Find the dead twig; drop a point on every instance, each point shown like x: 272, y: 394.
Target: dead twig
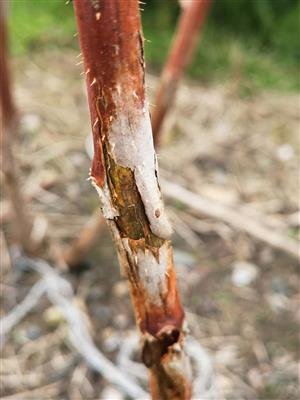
x: 52, y: 390
x: 21, y: 310
x: 60, y: 293
x: 191, y: 19
x: 237, y: 219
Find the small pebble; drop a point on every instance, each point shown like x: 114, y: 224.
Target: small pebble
x: 31, y: 122
x: 20, y: 336
x: 285, y: 152
x: 121, y: 321
x: 111, y: 393
x: 278, y: 302
x: 53, y: 317
x: 120, y: 289
x: 33, y: 332
x: 244, y: 273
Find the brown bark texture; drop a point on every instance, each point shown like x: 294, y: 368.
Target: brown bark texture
x: 124, y: 173
x: 180, y: 54
x: 7, y: 108
x: 8, y: 133
x: 191, y: 20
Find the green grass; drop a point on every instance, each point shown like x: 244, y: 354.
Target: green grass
x: 36, y: 24
x: 255, y: 42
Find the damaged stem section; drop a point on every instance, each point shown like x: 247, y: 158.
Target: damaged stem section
x: 124, y: 173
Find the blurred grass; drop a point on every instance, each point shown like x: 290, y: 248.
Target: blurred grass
x: 253, y: 42
x: 35, y: 24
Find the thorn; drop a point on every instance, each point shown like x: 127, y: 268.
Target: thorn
x: 98, y: 15
x: 79, y: 63
x: 79, y: 55
x: 94, y: 81
x: 96, y: 122
x: 75, y: 34
x: 87, y: 71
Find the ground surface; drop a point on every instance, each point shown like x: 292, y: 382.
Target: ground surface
x: 237, y: 151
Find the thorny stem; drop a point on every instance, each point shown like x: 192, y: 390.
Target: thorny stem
x: 124, y: 172
x: 191, y: 20
x: 184, y: 42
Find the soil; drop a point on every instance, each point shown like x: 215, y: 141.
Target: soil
x: 239, y: 151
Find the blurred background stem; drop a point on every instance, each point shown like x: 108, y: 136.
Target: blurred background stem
x: 255, y: 41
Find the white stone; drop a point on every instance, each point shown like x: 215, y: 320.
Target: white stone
x: 31, y: 122
x: 111, y: 393
x: 244, y: 274
x: 285, y: 152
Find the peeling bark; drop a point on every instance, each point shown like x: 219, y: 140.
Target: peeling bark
x: 124, y: 172
x: 190, y: 21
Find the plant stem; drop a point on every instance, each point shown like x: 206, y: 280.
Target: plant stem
x: 191, y: 20
x: 124, y: 172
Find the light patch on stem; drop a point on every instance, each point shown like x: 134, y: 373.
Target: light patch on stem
x: 131, y: 144
x: 152, y: 273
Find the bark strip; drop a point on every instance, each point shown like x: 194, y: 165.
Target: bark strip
x: 124, y: 173
x: 191, y: 20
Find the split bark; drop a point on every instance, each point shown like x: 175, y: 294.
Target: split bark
x: 192, y: 18
x: 190, y: 22
x: 124, y: 173
x: 8, y: 128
